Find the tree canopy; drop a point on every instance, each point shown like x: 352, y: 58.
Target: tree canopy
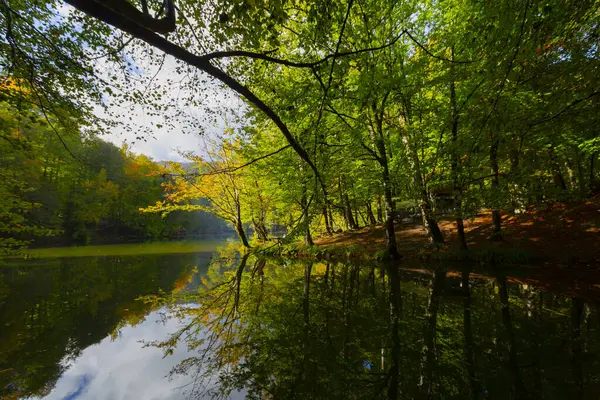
x: 453, y: 106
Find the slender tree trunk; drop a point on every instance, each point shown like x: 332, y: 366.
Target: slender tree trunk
x: 239, y: 228
x: 343, y: 203
x: 331, y: 225
x: 390, y: 233
x: 429, y: 220
x: 327, y: 222
x: 557, y: 176
x: 592, y: 177
x: 306, y: 220
x: 496, y: 217
x: 349, y: 216
x: 580, y: 175
x: 370, y: 215
x: 571, y: 174
x: 457, y: 189
x: 380, y: 209
x: 259, y: 228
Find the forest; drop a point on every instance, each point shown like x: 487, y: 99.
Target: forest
x: 414, y: 186
x: 354, y: 113
x: 77, y: 189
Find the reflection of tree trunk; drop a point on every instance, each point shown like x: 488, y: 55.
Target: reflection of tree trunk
x: 576, y: 314
x: 535, y: 307
x: 238, y: 280
x: 371, y: 280
x: 429, y: 351
x: 395, y: 300
x: 468, y: 332
x: 306, y: 303
x: 517, y: 388
x: 260, y: 270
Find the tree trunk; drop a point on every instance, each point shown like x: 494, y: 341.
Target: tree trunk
x: 349, y: 216
x: 592, y: 178
x: 390, y: 234
x: 370, y: 215
x: 331, y: 219
x: 580, y: 175
x: 327, y: 222
x: 259, y: 228
x: 496, y: 217
x: 380, y: 209
x: 239, y: 228
x: 429, y: 220
x: 455, y: 163
x: 557, y: 176
x: 306, y: 220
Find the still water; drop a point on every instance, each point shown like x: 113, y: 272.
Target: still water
x: 205, y: 324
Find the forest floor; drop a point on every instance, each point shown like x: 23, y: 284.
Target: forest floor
x: 565, y: 234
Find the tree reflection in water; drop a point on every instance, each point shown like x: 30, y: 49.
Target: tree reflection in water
x: 283, y: 330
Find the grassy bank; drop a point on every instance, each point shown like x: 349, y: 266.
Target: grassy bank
x: 130, y: 249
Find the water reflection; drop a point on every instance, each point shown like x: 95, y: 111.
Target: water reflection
x: 287, y: 330
x: 257, y: 328
x: 53, y: 310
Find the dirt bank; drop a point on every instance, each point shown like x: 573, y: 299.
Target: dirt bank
x: 564, y: 234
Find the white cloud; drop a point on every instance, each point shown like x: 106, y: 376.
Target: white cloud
x: 188, y: 122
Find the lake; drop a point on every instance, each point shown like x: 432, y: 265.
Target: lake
x: 185, y: 321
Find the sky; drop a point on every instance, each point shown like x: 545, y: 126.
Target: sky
x: 162, y: 142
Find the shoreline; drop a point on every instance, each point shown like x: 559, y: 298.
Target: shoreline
x: 566, y: 234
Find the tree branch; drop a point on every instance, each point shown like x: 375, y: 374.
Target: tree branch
x: 307, y: 64
x: 551, y: 117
